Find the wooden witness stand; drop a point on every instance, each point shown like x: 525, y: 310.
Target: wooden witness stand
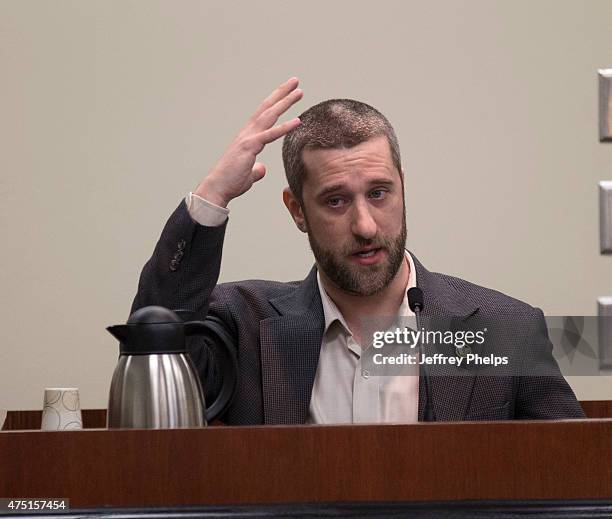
x: 95, y: 468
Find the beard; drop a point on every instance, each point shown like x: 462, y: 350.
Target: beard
x: 361, y: 280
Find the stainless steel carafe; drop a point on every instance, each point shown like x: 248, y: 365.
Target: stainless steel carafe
x: 155, y: 384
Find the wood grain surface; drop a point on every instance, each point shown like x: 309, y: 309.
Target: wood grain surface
x: 293, y: 464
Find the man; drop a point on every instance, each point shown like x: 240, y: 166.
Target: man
x: 299, y: 344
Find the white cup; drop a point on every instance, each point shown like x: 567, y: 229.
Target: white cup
x: 61, y: 409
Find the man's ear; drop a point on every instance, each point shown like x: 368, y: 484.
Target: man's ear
x: 295, y: 209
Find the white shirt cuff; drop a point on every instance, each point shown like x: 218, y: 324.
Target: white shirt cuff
x: 205, y: 212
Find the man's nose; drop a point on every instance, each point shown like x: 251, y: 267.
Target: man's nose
x: 363, y: 223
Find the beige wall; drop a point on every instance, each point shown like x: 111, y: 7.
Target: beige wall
x: 112, y: 111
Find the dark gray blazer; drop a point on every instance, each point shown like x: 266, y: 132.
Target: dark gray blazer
x: 278, y: 327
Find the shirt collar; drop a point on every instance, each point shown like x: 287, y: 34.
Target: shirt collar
x: 332, y: 314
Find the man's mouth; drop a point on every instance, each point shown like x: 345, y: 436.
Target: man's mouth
x: 368, y: 255
x: 366, y: 252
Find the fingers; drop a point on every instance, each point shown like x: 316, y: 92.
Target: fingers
x: 282, y: 91
x: 260, y: 129
x: 272, y: 134
x: 269, y: 117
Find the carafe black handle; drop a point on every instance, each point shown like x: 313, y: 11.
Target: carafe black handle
x: 222, y: 347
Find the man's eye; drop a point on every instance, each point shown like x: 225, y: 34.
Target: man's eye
x: 378, y: 194
x: 335, y: 201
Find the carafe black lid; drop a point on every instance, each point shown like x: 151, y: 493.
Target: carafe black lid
x: 151, y: 330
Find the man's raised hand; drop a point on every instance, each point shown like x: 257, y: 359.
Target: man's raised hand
x: 237, y: 170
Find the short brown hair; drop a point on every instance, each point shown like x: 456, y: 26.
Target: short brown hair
x: 335, y: 123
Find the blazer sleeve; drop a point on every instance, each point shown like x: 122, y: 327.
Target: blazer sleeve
x: 184, y: 267
x: 543, y: 392
x: 182, y: 274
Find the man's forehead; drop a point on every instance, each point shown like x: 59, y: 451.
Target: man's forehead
x: 372, y: 155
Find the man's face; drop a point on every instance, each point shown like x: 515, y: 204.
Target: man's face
x: 353, y: 206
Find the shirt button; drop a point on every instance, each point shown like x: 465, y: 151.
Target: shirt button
x: 181, y: 244
x: 173, y: 265
x: 178, y: 255
x: 365, y: 373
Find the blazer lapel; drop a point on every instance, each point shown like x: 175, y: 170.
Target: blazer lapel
x: 290, y: 347
x: 444, y: 308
